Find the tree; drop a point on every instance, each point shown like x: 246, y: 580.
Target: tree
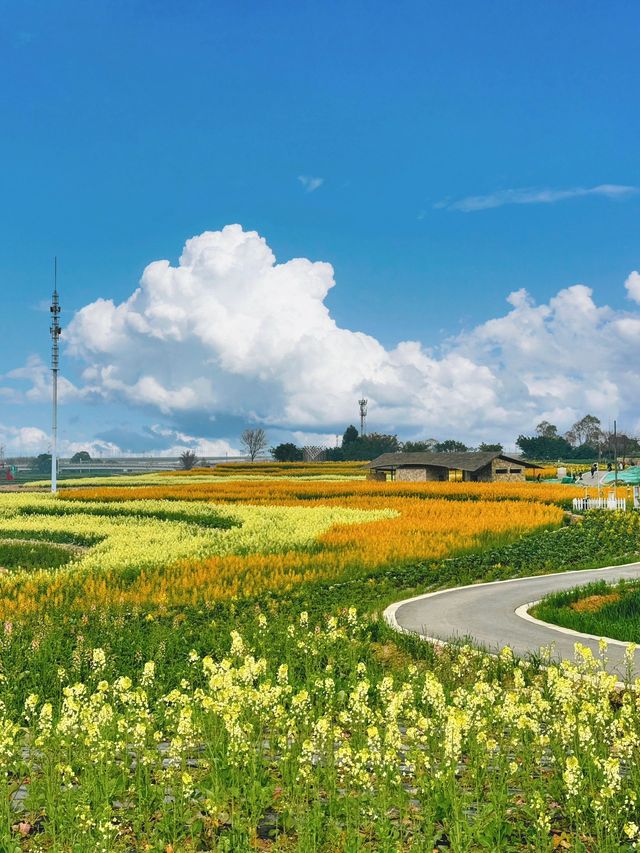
x: 627, y: 446
x: 287, y: 452
x: 334, y: 454
x: 369, y: 446
x: 546, y: 430
x: 491, y: 448
x: 622, y: 444
x: 188, y: 459
x: 81, y: 456
x: 42, y: 463
x: 425, y: 446
x: 450, y: 446
x: 253, y: 441
x: 538, y: 447
x: 583, y: 451
x: 351, y: 434
x: 588, y: 430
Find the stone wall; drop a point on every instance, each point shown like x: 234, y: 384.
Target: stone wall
x: 507, y: 472
x: 484, y: 475
x: 422, y: 474
x: 498, y: 471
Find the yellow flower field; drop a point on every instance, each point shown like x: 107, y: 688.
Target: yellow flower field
x: 147, y: 561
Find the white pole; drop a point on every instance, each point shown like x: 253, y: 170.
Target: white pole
x: 55, y: 361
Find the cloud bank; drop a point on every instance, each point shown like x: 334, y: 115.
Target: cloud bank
x: 534, y: 195
x: 231, y: 333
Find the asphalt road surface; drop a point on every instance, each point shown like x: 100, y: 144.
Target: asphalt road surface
x: 486, y: 614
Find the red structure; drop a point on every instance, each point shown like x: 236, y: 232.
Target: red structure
x: 7, y: 473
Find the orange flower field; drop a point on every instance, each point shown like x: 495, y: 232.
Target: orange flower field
x: 285, y: 532
x: 291, y: 491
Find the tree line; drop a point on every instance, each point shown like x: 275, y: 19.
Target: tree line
x: 585, y: 440
x: 356, y: 447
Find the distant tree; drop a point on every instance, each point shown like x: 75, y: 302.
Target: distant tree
x: 491, y: 448
x: 287, y: 452
x: 588, y: 430
x: 425, y: 446
x: 334, y: 454
x: 450, y: 446
x: 627, y: 446
x: 188, y: 459
x: 546, y: 430
x: 624, y: 445
x: 81, y: 456
x: 538, y: 447
x: 351, y: 434
x: 369, y: 446
x: 42, y: 463
x: 253, y: 441
x: 584, y: 451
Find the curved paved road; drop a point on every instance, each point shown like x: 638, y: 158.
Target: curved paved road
x: 486, y: 613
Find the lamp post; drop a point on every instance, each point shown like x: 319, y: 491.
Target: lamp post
x: 55, y: 366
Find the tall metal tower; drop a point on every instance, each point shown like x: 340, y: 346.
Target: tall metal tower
x: 363, y: 416
x: 55, y: 366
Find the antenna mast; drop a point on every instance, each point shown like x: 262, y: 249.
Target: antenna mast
x: 363, y: 416
x: 55, y: 366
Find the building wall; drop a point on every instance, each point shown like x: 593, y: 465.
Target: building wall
x: 423, y: 474
x: 498, y: 471
x: 507, y: 472
x: 380, y: 476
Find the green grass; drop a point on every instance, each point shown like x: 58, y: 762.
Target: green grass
x: 211, y: 519
x: 61, y: 537
x: 618, y: 619
x: 33, y: 555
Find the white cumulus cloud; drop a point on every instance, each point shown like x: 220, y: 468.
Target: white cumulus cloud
x: 26, y: 440
x: 633, y: 286
x: 231, y: 332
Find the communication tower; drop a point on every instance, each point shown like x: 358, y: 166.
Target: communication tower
x: 55, y: 366
x: 363, y: 416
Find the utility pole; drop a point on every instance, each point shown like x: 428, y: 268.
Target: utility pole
x: 363, y: 416
x: 55, y: 366
x: 615, y: 453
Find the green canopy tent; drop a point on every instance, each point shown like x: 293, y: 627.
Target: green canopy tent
x: 626, y: 477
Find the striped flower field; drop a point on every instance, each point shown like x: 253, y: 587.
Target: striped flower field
x: 196, y: 662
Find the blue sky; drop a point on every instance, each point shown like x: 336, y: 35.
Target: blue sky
x: 348, y: 133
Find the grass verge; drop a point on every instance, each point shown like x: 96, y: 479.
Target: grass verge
x: 606, y: 610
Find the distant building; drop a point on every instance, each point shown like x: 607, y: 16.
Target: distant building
x: 475, y: 466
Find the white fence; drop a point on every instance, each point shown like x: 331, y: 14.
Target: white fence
x: 581, y: 504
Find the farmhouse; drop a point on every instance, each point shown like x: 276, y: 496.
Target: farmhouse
x: 475, y: 466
